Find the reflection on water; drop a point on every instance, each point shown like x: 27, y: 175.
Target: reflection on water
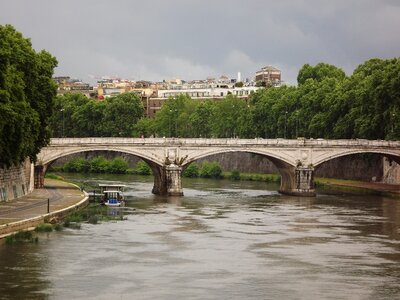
x: 237, y: 240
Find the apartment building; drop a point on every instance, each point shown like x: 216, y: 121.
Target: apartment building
x: 268, y: 76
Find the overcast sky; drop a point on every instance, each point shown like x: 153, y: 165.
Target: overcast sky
x: 164, y: 39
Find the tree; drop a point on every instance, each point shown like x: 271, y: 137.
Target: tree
x: 319, y: 72
x: 239, y: 84
x: 27, y: 92
x: 121, y: 114
x: 144, y: 127
x: 227, y: 116
x: 201, y: 119
x: 168, y: 121
x: 372, y: 101
x: 77, y: 116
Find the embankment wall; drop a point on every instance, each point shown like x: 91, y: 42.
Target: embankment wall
x: 30, y: 224
x: 16, y: 181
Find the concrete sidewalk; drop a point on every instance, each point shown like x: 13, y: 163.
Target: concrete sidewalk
x: 62, y: 195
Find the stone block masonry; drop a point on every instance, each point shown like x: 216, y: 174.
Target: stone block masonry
x: 16, y: 181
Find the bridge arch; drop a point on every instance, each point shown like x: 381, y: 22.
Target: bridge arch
x: 330, y: 156
x: 285, y: 166
x: 273, y: 156
x: 156, y: 165
x: 59, y: 154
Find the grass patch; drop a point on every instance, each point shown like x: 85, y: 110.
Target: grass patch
x: 73, y: 225
x: 44, y: 227
x: 236, y: 175
x: 21, y: 237
x: 58, y: 227
x: 54, y: 176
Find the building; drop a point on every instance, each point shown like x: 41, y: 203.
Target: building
x: 66, y: 84
x: 268, y: 76
x: 154, y: 94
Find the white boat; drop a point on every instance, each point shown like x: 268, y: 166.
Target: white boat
x: 113, y: 194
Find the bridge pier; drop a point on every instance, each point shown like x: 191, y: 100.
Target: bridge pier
x: 38, y: 178
x: 167, y: 180
x: 174, y: 180
x: 298, y: 182
x: 160, y: 180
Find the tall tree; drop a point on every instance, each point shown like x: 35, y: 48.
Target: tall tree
x: 27, y: 92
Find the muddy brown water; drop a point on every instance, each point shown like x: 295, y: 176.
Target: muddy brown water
x: 222, y: 240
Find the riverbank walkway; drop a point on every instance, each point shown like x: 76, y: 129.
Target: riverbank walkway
x: 61, y: 195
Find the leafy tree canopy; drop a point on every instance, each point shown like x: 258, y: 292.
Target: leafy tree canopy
x: 26, y: 97
x: 319, y: 72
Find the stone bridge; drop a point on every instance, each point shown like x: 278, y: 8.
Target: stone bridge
x: 168, y: 157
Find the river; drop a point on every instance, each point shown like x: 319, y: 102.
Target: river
x: 222, y: 240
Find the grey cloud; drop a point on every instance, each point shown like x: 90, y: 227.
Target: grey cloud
x: 158, y: 39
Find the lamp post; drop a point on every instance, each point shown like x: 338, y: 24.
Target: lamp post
x: 174, y: 128
x: 284, y: 135
x: 62, y: 110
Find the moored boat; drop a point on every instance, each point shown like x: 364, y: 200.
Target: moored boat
x: 113, y: 195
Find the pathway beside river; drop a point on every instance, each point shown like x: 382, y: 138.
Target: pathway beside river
x: 61, y: 195
x: 372, y: 186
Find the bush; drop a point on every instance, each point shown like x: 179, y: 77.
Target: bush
x: 210, y: 170
x: 93, y: 219
x: 191, y: 171
x: 142, y: 168
x: 44, y: 227
x: 20, y: 236
x: 58, y: 227
x: 216, y: 170
x: 235, y: 175
x: 79, y: 165
x: 99, y: 165
x: 118, y: 166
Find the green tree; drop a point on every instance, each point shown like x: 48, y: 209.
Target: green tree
x: 373, y: 100
x: 26, y: 97
x: 239, y: 84
x: 77, y: 116
x: 227, y: 117
x: 144, y: 127
x: 201, y: 119
x: 319, y: 72
x: 172, y: 119
x: 121, y: 114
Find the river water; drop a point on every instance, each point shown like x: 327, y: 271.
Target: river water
x: 222, y: 240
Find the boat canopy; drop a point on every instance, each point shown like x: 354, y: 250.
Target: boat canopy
x: 111, y: 187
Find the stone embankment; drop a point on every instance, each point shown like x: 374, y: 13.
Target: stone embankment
x: 26, y: 212
x: 16, y: 181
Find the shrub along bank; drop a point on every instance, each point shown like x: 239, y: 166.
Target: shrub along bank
x: 118, y: 165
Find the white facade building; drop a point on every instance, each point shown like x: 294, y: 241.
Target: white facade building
x: 208, y: 92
